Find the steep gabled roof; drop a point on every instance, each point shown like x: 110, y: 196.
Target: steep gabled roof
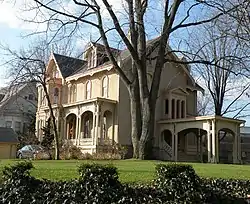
x: 8, y: 135
x: 101, y: 47
x: 68, y: 65
x: 11, y: 91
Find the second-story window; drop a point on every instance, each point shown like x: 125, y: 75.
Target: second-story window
x: 105, y: 87
x: 56, y: 95
x: 73, y: 93
x: 88, y: 90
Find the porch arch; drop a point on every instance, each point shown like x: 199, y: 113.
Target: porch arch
x: 71, y: 126
x: 226, y: 147
x: 107, y: 125
x: 87, y: 125
x: 192, y: 145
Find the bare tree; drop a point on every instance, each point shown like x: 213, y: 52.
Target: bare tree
x: 204, y: 104
x: 225, y: 88
x: 29, y: 65
x: 142, y: 94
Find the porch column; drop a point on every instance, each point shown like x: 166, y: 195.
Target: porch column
x: 173, y: 146
x: 94, y: 128
x: 176, y: 147
x: 76, y: 130
x: 208, y: 142
x: 214, y: 158
x: 236, y: 146
x: 79, y: 130
x: 66, y: 129
x: 113, y: 127
x: 239, y: 144
x: 97, y: 123
x: 201, y: 148
x: 101, y: 127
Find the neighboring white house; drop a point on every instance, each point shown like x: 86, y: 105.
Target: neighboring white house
x: 17, y: 105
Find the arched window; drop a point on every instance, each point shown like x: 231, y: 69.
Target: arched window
x: 56, y: 95
x: 72, y: 93
x: 105, y: 87
x: 88, y: 90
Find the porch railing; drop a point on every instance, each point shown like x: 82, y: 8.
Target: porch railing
x: 168, y: 149
x: 104, y: 141
x: 86, y: 141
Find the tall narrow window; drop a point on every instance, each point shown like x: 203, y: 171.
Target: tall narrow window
x: 88, y: 90
x: 173, y: 108
x: 105, y: 87
x: 74, y: 91
x: 178, y: 109
x: 166, y: 106
x: 90, y: 59
x: 182, y: 109
x: 56, y: 95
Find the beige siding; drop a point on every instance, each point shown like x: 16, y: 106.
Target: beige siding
x: 191, y: 103
x: 124, y: 115
x: 7, y: 151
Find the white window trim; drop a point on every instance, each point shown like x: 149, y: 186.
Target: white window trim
x: 88, y: 89
x: 106, y: 95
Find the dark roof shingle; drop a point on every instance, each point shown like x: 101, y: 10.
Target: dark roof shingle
x: 8, y: 135
x: 68, y: 65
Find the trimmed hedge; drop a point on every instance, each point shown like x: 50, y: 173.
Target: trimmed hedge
x: 174, y: 183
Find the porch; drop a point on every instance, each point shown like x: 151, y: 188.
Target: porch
x: 91, y: 125
x: 210, y: 139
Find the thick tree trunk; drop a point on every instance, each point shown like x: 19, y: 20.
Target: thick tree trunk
x: 56, y: 137
x: 135, y: 119
x: 147, y: 134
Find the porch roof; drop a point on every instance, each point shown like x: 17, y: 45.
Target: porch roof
x: 200, y: 118
x: 90, y: 101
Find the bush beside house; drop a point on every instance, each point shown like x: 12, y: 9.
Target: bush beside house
x: 99, y: 184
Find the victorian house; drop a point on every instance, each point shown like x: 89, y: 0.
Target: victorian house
x: 92, y: 108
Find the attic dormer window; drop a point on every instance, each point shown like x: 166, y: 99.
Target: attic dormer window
x: 56, y: 74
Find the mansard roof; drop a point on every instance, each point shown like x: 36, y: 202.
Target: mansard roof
x: 68, y: 65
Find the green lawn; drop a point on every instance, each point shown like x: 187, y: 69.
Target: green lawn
x: 130, y: 170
